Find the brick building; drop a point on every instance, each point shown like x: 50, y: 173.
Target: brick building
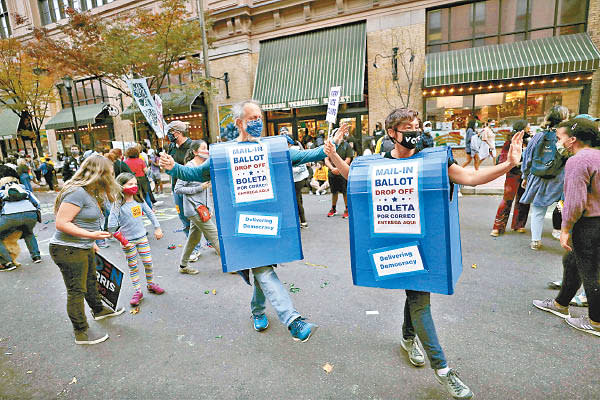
x: 500, y: 59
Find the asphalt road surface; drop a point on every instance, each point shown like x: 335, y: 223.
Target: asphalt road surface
x: 187, y: 344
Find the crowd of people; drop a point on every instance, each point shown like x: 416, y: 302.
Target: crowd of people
x: 107, y: 195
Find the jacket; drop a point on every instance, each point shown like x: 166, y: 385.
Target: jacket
x: 193, y: 194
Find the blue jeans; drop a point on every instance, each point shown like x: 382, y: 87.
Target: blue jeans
x: 23, y: 222
x: 538, y: 214
x: 267, y: 284
x: 178, y: 200
x: 26, y: 181
x: 418, y: 321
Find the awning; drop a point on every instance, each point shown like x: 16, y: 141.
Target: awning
x: 177, y: 102
x: 539, y: 57
x: 298, y: 71
x: 84, y: 114
x: 9, y: 124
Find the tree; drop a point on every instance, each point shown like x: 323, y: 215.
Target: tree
x: 140, y: 43
x: 397, y: 73
x: 26, y: 86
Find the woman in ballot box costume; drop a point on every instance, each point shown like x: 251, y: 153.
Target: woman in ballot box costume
x: 402, y: 126
x: 248, y: 120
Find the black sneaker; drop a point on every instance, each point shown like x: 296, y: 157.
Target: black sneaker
x: 107, y: 312
x: 7, y: 267
x: 37, y: 259
x: 90, y: 336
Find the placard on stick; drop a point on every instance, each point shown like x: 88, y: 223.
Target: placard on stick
x: 332, y: 107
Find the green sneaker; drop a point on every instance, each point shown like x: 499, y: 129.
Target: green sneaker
x: 90, y: 336
x: 454, y: 385
x: 107, y: 312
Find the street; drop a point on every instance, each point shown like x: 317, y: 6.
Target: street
x: 187, y: 344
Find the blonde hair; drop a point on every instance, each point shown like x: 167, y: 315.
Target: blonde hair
x: 95, y: 176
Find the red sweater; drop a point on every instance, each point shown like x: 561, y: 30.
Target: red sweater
x: 582, y: 187
x: 137, y: 165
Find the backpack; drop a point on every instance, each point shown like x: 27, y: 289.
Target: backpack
x: 546, y: 162
x: 13, y: 191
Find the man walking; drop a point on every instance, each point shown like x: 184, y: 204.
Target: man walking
x: 71, y: 164
x: 178, y: 147
x: 249, y: 121
x: 337, y: 183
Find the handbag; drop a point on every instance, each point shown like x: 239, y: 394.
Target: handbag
x: 203, y: 212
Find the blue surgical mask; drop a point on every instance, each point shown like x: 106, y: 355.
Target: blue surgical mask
x: 254, y: 127
x: 171, y: 137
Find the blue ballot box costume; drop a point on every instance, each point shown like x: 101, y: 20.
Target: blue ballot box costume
x: 434, y: 207
x: 241, y: 247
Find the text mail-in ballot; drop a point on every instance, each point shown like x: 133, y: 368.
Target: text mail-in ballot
x: 255, y: 200
x: 404, y: 227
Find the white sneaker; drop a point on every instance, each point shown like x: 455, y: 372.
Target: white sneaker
x: 194, y: 256
x: 556, y: 234
x: 454, y: 386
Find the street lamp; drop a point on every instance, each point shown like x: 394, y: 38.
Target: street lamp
x: 394, y: 58
x: 68, y: 84
x: 225, y: 78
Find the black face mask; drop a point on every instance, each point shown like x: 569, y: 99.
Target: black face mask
x: 410, y: 139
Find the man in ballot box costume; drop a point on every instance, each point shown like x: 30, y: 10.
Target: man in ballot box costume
x: 425, y: 244
x: 244, y: 213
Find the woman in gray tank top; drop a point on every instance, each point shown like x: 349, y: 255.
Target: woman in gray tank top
x: 79, y: 219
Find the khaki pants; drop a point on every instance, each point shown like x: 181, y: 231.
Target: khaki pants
x: 197, y: 228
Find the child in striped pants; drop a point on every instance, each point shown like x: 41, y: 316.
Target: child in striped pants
x: 126, y: 216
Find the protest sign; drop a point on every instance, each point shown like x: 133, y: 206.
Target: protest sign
x: 160, y: 117
x: 251, y: 173
x: 141, y: 95
x: 395, y: 198
x: 109, y: 279
x: 334, y: 104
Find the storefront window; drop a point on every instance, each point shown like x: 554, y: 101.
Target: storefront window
x: 364, y: 123
x: 540, y: 101
x: 196, y: 128
x: 504, y: 108
x: 447, y: 113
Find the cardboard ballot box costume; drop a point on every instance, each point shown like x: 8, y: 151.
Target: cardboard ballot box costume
x: 404, y: 226
x: 255, y: 203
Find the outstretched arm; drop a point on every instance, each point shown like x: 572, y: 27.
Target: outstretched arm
x: 318, y: 154
x: 200, y: 173
x: 463, y: 176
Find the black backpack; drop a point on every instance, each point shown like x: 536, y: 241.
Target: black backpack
x: 547, y: 163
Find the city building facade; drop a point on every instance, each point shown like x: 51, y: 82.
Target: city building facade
x: 452, y: 60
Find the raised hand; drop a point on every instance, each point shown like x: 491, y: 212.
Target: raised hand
x: 329, y: 148
x: 516, y: 149
x: 166, y: 161
x: 341, y: 133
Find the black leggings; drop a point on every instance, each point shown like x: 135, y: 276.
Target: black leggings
x: 299, y: 185
x: 584, y: 267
